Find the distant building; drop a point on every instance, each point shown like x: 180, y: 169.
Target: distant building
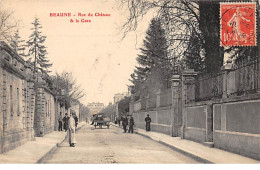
x: 117, y: 98
x: 120, y: 96
x: 95, y: 107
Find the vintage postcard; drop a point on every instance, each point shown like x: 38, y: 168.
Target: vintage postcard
x: 129, y: 82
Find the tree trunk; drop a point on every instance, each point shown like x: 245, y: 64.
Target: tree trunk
x: 210, y: 26
x: 35, y: 58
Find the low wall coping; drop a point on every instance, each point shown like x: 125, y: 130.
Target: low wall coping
x: 154, y: 109
x: 227, y: 100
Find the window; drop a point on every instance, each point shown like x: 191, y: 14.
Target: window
x: 11, y: 100
x: 46, y: 106
x: 50, y: 110
x: 18, y: 102
x: 24, y: 109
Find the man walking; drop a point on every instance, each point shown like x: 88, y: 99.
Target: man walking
x: 60, y: 122
x: 131, y: 124
x: 71, y: 131
x: 124, y: 122
x: 115, y: 120
x: 148, y: 121
x: 119, y: 120
x: 65, y: 122
x: 76, y: 120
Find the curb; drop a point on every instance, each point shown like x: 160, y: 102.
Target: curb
x: 195, y: 157
x: 54, y: 148
x: 51, y: 151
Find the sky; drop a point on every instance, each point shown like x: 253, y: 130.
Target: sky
x: 94, y: 52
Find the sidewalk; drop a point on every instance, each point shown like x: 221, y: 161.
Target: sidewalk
x: 196, y: 150
x: 35, y: 151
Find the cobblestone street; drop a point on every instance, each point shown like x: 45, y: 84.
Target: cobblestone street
x: 95, y: 146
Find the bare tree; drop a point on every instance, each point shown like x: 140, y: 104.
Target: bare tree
x: 7, y: 25
x: 66, y: 82
x: 182, y: 19
x: 179, y: 18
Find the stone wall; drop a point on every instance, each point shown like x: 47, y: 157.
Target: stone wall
x: 1, y: 107
x: 224, y: 113
x: 50, y: 111
x: 166, y: 112
x: 196, y: 123
x: 161, y: 119
x: 45, y: 112
x: 17, y: 98
x: 230, y: 121
x: 28, y: 107
x: 235, y: 124
x: 237, y: 128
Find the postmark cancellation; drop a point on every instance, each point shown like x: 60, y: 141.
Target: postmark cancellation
x: 238, y: 24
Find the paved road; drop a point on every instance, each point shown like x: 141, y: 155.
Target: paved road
x: 98, y: 146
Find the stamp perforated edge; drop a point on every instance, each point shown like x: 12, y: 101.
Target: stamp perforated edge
x: 220, y: 31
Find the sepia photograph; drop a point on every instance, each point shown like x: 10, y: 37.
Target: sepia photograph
x: 129, y: 82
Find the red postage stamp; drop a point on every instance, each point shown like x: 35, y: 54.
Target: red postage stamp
x: 238, y: 24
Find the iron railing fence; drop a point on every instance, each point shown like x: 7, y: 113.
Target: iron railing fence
x: 166, y: 98
x: 244, y: 79
x: 152, y: 100
x: 208, y: 86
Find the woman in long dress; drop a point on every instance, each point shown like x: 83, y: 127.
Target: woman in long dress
x: 72, y: 131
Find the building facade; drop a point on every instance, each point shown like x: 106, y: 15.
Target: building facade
x: 29, y: 107
x: 44, y: 119
x: 117, y: 98
x: 120, y: 96
x: 17, y: 100
x: 94, y: 108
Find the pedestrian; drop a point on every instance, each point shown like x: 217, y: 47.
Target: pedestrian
x: 119, y: 120
x: 131, y: 124
x: 124, y: 122
x: 72, y: 131
x: 60, y: 122
x: 76, y: 120
x: 115, y: 120
x: 65, y: 122
x: 148, y: 121
x: 94, y: 117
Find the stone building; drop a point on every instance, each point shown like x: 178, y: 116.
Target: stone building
x: 60, y: 110
x: 17, y: 99
x: 117, y: 98
x: 28, y: 104
x: 120, y: 96
x: 95, y: 107
x: 44, y: 120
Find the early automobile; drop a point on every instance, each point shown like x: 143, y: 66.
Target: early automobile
x: 100, y: 120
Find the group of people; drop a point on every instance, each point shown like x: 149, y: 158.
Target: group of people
x: 69, y: 125
x: 128, y: 123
